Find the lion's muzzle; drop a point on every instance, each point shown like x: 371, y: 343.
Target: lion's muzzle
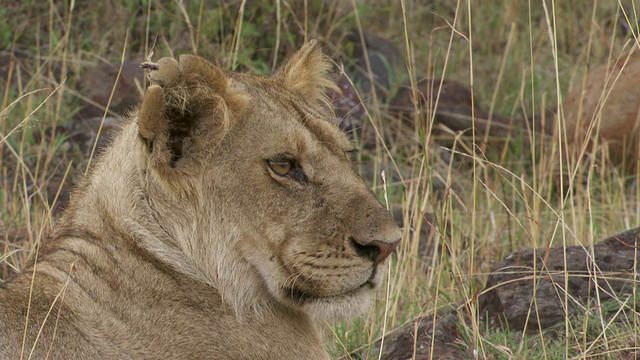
x: 377, y: 251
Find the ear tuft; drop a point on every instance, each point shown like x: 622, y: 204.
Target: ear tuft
x: 188, y: 107
x: 152, y: 120
x: 197, y: 69
x: 166, y: 72
x: 307, y: 73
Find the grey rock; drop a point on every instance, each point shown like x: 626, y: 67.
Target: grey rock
x: 424, y: 339
x: 607, y: 271
x: 97, y: 84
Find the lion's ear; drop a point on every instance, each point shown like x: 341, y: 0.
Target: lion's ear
x: 307, y: 73
x: 187, y: 107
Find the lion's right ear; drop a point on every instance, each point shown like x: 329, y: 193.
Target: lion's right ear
x: 153, y: 125
x: 187, y: 107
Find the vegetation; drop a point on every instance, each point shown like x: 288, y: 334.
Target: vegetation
x: 519, y: 58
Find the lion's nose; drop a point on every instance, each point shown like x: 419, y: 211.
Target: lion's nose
x: 375, y: 250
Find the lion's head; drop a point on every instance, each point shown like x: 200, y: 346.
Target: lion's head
x: 254, y: 190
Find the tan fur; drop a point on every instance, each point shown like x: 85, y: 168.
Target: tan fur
x: 606, y: 112
x: 182, y: 242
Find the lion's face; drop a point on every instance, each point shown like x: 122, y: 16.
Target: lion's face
x: 279, y: 208
x: 312, y: 228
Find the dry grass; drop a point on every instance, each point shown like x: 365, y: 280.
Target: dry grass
x: 519, y: 58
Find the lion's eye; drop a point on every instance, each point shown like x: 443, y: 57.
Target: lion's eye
x: 288, y: 168
x: 281, y: 167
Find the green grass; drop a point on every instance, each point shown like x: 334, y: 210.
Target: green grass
x: 519, y: 57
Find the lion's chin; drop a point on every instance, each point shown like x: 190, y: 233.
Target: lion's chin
x: 343, y: 306
x: 340, y: 307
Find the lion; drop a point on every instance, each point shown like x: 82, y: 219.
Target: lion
x: 223, y: 222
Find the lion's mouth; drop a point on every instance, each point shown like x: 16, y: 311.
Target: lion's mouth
x: 301, y: 297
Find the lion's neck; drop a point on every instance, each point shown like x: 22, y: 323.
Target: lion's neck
x: 115, y: 197
x: 117, y: 194
x: 112, y: 189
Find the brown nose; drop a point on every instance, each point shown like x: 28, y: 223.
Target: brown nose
x: 375, y: 250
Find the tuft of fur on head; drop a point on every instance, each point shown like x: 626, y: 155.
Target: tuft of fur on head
x: 185, y: 98
x: 307, y: 73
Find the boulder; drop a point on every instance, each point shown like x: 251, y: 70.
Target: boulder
x: 97, y: 83
x: 425, y: 338
x: 457, y: 110
x: 606, y: 271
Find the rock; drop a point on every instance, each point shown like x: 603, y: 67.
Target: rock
x: 347, y: 104
x: 606, y: 112
x: 455, y: 109
x: 385, y: 63
x: 421, y: 339
x: 83, y: 133
x: 96, y: 84
x: 508, y: 295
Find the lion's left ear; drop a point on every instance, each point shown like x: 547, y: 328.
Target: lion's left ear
x: 307, y: 73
